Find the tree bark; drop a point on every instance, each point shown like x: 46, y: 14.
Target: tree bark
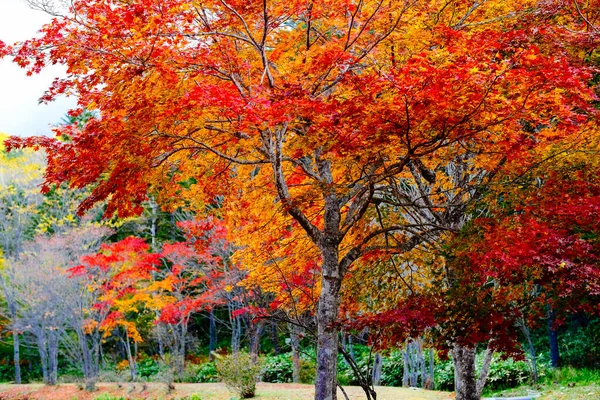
x: 236, y: 333
x: 255, y: 329
x: 41, y: 343
x: 464, y: 373
x: 295, y: 342
x: 485, y: 370
x: 16, y: 355
x: 53, y: 344
x: 531, y: 348
x: 130, y: 358
x: 377, y: 364
x: 212, y: 334
x: 327, y: 337
x: 553, y: 336
x: 275, y: 338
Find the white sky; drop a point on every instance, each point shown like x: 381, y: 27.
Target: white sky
x: 20, y: 113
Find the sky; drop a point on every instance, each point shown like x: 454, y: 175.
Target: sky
x: 20, y: 113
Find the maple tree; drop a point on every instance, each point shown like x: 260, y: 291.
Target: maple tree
x: 362, y: 129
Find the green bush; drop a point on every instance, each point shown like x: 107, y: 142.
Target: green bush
x: 504, y: 374
x: 308, y: 371
x: 106, y: 396
x: 192, y: 397
x: 278, y: 369
x: 392, y: 369
x: 443, y: 375
x: 148, y: 367
x: 239, y: 373
x: 207, y: 373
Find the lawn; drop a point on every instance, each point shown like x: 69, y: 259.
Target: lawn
x: 217, y: 391
x: 555, y: 392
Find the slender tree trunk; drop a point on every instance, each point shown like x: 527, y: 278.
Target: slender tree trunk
x: 553, y: 336
x: 275, y: 338
x: 377, y: 365
x: 42, y: 350
x: 212, y: 334
x: 181, y: 352
x: 16, y: 355
x: 295, y: 342
x: 236, y: 333
x: 53, y: 358
x: 89, y: 372
x: 327, y: 336
x: 130, y: 360
x: 531, y: 348
x: 255, y: 334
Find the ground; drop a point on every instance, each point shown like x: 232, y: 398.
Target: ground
x: 265, y: 391
x: 216, y: 391
x: 556, y: 392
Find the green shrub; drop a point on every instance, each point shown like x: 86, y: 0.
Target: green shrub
x: 504, y: 374
x: 106, y: 396
x: 278, y: 369
x: 239, y: 373
x: 443, y: 375
x: 148, y: 367
x: 392, y: 369
x: 308, y: 371
x: 207, y: 373
x: 192, y: 397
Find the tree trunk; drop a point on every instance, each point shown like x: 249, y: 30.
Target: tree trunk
x: 531, y: 348
x: 212, y: 334
x: 255, y: 329
x: 553, y: 336
x: 464, y: 373
x: 468, y: 385
x: 16, y: 354
x: 275, y: 338
x: 130, y: 359
x: 327, y: 337
x: 53, y: 344
x: 42, y: 350
x: 295, y: 342
x: 377, y: 364
x: 236, y: 333
x: 181, y: 351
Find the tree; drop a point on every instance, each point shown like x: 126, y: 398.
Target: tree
x: 309, y: 117
x: 20, y: 174
x: 48, y: 301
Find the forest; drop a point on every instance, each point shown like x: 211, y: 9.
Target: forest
x: 352, y: 195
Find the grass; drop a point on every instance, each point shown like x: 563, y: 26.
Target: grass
x: 561, y: 384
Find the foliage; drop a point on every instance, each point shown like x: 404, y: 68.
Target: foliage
x: 207, y: 372
x: 148, y: 367
x: 570, y: 375
x: 580, y: 345
x: 342, y: 138
x: 107, y: 396
x: 240, y: 373
x: 503, y: 374
x: 392, y: 369
x: 277, y: 368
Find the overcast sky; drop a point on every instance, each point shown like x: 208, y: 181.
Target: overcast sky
x: 20, y: 113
